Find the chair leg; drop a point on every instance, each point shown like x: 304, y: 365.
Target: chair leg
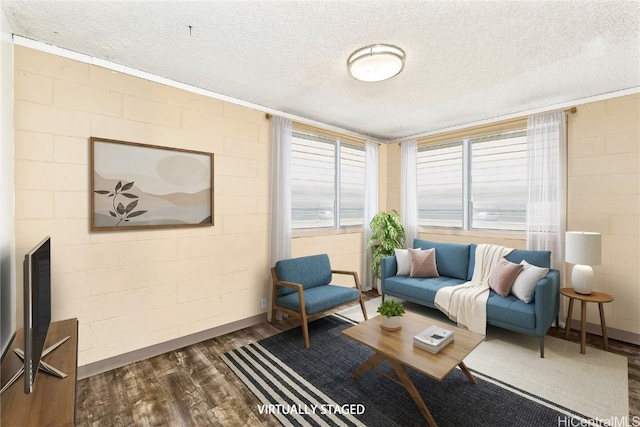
x: 541, y: 340
x: 364, y: 309
x: 305, y: 330
x: 303, y: 318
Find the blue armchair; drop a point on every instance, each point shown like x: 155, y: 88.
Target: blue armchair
x: 302, y: 287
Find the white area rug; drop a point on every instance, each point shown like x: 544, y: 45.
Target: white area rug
x: 594, y: 384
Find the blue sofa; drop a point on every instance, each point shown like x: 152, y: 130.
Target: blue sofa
x: 456, y: 262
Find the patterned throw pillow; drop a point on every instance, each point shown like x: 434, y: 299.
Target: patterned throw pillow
x: 423, y: 263
x: 502, y: 276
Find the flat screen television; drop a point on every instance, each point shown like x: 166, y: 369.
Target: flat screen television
x: 37, y: 308
x: 37, y: 318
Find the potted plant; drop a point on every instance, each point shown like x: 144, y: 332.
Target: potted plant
x: 387, y: 234
x: 390, y: 315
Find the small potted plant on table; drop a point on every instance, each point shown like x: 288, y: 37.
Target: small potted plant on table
x: 390, y: 315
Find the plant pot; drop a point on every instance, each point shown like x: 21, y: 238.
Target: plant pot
x: 390, y: 323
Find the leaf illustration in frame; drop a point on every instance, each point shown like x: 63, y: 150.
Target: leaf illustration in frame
x: 127, y: 186
x: 136, y: 213
x: 131, y: 205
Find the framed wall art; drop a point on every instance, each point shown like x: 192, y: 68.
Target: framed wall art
x: 137, y: 186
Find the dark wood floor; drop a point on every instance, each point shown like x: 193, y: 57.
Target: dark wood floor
x: 193, y: 387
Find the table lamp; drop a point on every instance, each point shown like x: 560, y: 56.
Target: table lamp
x: 582, y: 248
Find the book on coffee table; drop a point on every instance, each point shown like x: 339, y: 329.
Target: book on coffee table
x: 433, y: 339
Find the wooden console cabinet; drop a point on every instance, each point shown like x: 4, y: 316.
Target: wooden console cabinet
x: 53, y: 400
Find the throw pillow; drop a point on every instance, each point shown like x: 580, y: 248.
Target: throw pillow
x: 423, y: 263
x: 502, y: 276
x: 525, y: 284
x: 404, y: 264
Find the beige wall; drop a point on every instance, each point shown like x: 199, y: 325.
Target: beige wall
x: 133, y: 289
x: 604, y: 196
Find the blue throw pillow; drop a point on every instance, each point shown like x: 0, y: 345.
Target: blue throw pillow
x: 452, y: 259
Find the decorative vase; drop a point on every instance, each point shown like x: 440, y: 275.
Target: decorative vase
x: 392, y: 323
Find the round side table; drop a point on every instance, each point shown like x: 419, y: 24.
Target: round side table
x: 598, y: 297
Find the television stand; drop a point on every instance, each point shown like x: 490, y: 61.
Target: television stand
x: 44, y: 366
x: 52, y: 402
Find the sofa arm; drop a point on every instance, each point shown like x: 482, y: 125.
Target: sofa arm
x: 389, y: 268
x: 547, y: 301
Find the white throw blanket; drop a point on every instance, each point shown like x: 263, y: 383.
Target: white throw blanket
x: 466, y: 303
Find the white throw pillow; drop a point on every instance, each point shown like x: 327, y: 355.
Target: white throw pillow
x: 404, y: 262
x: 525, y: 284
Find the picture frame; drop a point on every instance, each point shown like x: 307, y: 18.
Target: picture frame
x: 141, y: 186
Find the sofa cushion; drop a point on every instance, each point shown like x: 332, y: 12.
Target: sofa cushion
x: 319, y: 298
x: 502, y: 276
x: 510, y: 311
x: 452, y: 259
x: 309, y: 271
x: 418, y: 289
x: 423, y: 263
x: 537, y: 258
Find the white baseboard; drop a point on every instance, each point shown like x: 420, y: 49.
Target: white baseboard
x: 157, y: 349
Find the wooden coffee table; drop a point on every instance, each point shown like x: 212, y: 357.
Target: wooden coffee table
x: 397, y: 348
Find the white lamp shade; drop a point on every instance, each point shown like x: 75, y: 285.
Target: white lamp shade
x: 583, y: 247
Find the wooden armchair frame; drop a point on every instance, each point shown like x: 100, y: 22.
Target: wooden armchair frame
x: 303, y: 312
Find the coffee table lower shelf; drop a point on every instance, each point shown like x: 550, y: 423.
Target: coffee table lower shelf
x: 398, y: 350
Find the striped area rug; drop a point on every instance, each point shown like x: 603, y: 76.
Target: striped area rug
x: 312, y: 387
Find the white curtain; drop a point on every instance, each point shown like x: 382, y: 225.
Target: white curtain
x: 409, y: 190
x: 547, y: 182
x: 370, y: 209
x: 280, y: 221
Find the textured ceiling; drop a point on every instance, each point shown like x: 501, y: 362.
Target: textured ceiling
x: 466, y: 61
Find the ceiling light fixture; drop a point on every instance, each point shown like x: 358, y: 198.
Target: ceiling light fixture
x: 376, y: 62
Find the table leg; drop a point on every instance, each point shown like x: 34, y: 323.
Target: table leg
x: 413, y: 391
x: 567, y: 326
x: 468, y: 373
x: 583, y: 327
x: 604, y: 326
x: 369, y: 364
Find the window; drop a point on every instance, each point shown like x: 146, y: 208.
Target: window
x: 477, y: 183
x: 327, y: 182
x: 499, y: 181
x: 440, y: 201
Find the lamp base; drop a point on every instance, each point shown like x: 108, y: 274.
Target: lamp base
x: 582, y: 279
